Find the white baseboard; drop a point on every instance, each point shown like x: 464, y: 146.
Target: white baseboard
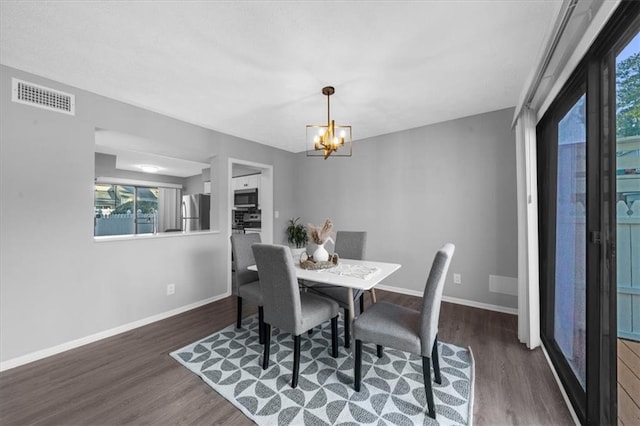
x: 564, y: 394
x: 399, y: 290
x: 480, y: 305
x: 456, y: 300
x: 35, y: 356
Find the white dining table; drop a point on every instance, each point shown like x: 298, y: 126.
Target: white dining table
x: 344, y: 279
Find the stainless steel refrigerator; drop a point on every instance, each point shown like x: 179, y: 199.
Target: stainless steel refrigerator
x: 195, y: 212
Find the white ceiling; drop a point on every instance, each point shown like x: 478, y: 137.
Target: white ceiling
x: 255, y: 69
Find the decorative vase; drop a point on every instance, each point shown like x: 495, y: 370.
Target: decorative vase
x: 321, y: 254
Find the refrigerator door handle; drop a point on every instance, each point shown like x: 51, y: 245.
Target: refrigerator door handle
x: 184, y: 215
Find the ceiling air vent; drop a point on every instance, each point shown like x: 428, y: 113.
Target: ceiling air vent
x: 43, y: 97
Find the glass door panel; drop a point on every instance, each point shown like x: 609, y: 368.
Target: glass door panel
x: 570, y: 275
x: 628, y: 189
x: 113, y: 210
x: 146, y: 210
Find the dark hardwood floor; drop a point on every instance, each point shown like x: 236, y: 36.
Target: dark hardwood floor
x: 130, y: 378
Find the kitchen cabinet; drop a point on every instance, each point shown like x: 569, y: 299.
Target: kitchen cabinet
x: 246, y: 182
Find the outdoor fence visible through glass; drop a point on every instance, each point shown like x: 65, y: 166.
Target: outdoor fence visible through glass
x: 628, y: 189
x: 125, y: 210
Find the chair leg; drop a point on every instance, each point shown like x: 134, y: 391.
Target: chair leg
x: 347, y: 329
x: 296, y: 361
x: 361, y: 303
x: 334, y: 336
x: 426, y: 376
x: 436, y: 362
x: 380, y: 351
x: 261, y: 324
x: 239, y: 313
x: 267, y: 344
x: 357, y: 366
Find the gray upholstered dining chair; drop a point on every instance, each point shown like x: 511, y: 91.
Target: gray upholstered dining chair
x: 349, y: 245
x: 386, y: 324
x: 285, y: 307
x: 245, y: 283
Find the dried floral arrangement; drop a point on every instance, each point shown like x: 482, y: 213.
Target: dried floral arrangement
x: 319, y: 235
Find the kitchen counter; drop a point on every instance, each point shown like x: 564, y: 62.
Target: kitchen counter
x: 106, y: 238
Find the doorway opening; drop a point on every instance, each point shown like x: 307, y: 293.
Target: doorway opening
x: 251, y: 185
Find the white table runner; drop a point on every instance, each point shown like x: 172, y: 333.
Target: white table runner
x: 355, y: 271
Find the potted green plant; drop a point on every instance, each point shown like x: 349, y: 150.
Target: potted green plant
x: 297, y: 236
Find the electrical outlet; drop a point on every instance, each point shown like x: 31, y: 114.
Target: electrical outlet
x: 171, y: 289
x: 457, y: 278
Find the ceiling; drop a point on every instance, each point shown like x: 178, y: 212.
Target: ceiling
x: 255, y: 69
x: 134, y: 154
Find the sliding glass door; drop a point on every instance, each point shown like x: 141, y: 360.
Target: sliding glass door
x: 588, y: 145
x: 562, y: 163
x: 569, y: 313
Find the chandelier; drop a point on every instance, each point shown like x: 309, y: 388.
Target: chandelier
x: 323, y: 140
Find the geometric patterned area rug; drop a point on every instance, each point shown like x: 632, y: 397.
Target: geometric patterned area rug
x: 392, y: 390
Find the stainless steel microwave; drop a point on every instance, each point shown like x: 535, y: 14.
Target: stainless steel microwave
x: 245, y: 198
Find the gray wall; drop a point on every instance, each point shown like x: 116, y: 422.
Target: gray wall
x: 412, y: 191
x: 56, y: 283
x: 193, y: 185
x: 415, y: 190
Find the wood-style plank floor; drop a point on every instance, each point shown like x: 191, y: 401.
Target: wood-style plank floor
x: 130, y: 378
x: 628, y: 382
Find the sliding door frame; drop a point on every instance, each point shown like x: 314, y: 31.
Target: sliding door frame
x: 596, y: 73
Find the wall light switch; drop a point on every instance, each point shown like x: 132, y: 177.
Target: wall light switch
x: 457, y: 279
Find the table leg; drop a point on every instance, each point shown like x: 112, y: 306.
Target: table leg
x: 352, y: 311
x: 373, y: 295
x: 351, y: 304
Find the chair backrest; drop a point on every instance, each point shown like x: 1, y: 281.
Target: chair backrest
x: 351, y: 244
x: 280, y: 293
x: 243, y: 258
x: 432, y: 298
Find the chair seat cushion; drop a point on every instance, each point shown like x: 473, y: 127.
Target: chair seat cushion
x: 251, y: 292
x: 389, y: 325
x: 315, y: 310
